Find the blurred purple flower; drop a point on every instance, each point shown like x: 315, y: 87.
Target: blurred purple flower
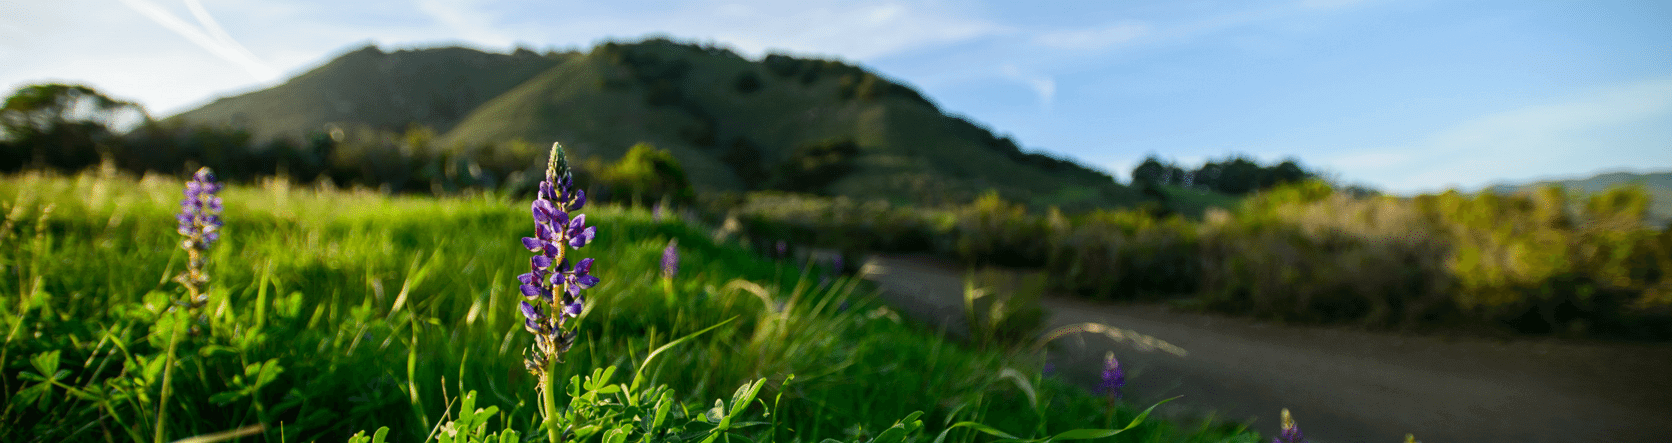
x: 552, y: 284
x: 200, y: 222
x: 1290, y: 433
x: 1049, y: 370
x: 783, y: 249
x: 1114, y: 377
x: 670, y: 260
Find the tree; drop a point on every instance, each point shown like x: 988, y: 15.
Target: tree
x: 647, y: 174
x: 1151, y: 171
x: 63, y: 126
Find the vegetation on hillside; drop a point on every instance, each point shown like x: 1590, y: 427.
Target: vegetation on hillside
x: 391, y: 311
x: 734, y: 124
x: 1539, y: 262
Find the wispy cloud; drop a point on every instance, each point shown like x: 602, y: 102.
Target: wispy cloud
x: 1575, y: 135
x: 1042, y: 85
x: 856, y: 30
x: 1095, y: 38
x: 467, y: 20
x: 207, y: 34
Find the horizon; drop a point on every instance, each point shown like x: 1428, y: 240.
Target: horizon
x: 1400, y: 96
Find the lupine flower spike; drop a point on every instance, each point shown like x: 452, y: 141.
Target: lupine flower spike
x: 1114, y: 377
x: 200, y: 223
x: 552, y: 287
x: 1290, y: 433
x: 670, y: 260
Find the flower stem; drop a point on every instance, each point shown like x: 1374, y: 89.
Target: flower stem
x: 168, y: 376
x: 548, y: 394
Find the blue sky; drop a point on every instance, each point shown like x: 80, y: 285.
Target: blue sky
x: 1408, y: 96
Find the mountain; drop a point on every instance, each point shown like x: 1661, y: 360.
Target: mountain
x: 735, y: 124
x: 433, y: 87
x: 1657, y: 184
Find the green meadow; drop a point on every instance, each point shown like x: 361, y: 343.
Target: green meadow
x: 334, y: 312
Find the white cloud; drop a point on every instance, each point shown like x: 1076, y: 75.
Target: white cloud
x: 1042, y: 85
x: 854, y: 30
x: 1093, y: 39
x: 207, y: 35
x: 1603, y: 129
x: 467, y: 20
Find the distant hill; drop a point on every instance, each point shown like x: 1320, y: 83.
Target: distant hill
x: 735, y: 124
x: 1657, y: 184
x: 433, y: 87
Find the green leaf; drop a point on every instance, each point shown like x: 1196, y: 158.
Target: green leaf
x: 153, y: 369
x: 39, y: 394
x: 662, y: 407
x: 382, y: 433
x: 269, y: 372
x: 45, y: 362
x: 638, y: 374
x: 715, y: 414
x: 226, y: 397
x: 989, y: 430
x: 1022, y: 383
x: 216, y: 350
x: 617, y: 435
x: 901, y: 429
x: 1140, y: 417
x: 1082, y: 434
x: 746, y: 394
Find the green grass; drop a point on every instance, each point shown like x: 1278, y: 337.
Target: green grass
x: 338, y: 311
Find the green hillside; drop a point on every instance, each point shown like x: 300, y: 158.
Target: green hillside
x: 435, y: 87
x: 736, y: 124
x: 1657, y: 184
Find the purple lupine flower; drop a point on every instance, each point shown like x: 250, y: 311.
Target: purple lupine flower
x: 1114, y: 377
x: 670, y: 260
x: 552, y: 284
x: 1290, y: 433
x: 200, y: 223
x: 656, y: 212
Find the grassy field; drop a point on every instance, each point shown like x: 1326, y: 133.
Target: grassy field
x: 332, y: 312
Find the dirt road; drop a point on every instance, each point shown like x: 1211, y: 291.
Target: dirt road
x: 1342, y: 385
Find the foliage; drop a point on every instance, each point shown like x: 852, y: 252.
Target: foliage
x: 1235, y: 176
x: 60, y: 126
x: 646, y: 174
x: 1540, y: 262
x: 704, y: 104
x: 385, y: 311
x: 1001, y: 309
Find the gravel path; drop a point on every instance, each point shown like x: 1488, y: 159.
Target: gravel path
x: 1342, y: 385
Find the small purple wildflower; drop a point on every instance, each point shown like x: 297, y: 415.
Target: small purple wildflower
x: 783, y: 249
x: 670, y: 260
x: 200, y: 223
x: 1290, y: 433
x: 1049, y: 369
x: 552, y: 287
x: 1114, y: 377
x: 656, y: 212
